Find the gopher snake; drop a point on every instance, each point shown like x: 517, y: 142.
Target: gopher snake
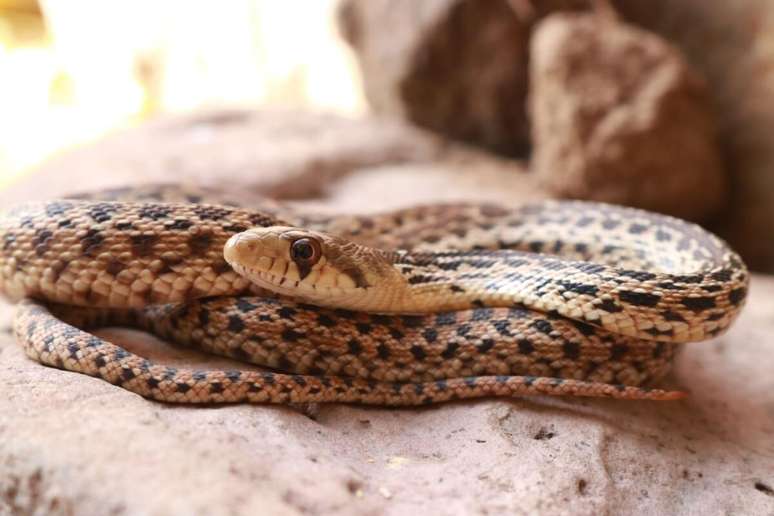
x: 599, y: 318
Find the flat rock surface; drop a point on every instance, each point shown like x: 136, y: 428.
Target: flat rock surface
x: 71, y: 444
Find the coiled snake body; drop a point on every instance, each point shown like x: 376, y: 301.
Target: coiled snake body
x: 553, y: 298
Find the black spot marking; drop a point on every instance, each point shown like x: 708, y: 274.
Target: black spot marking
x: 235, y: 324
x: 102, y: 212
x: 206, y: 212
x: 578, y: 288
x: 503, y: 327
x: 421, y: 278
x: 245, y: 306
x: 608, y: 305
x: 617, y: 351
x: 486, y: 345
x: 463, y: 329
x: 736, y: 296
x: 525, y: 347
x: 638, y: 275
x: 216, y: 387
x: 639, y: 298
x: 722, y: 275
x: 543, y: 326
x: 182, y: 387
x: 325, y: 320
x: 418, y: 352
x: 688, y: 278
x: 481, y: 314
x: 445, y: 319
x: 286, y: 312
x: 637, y: 229
x: 585, y: 329
x: 354, y: 347
x: 383, y: 351
x: 412, y: 321
x: 451, y: 350
x: 234, y: 228
x: 698, y: 304
x: 430, y: 335
x: 154, y: 211
x: 300, y: 380
x: 178, y: 224
x: 291, y: 335
x: 571, y: 350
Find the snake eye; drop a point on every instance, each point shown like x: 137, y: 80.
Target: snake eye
x: 305, y: 251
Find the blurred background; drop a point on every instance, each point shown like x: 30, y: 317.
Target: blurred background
x: 71, y: 72
x: 664, y: 105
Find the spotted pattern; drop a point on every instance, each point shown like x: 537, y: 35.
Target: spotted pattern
x: 159, y: 266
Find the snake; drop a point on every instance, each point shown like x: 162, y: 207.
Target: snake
x: 414, y: 306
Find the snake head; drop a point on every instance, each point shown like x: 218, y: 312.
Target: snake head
x: 311, y: 266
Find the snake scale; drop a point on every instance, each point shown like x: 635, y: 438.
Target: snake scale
x: 556, y: 298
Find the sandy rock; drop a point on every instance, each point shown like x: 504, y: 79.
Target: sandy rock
x: 282, y: 154
x: 618, y: 116
x: 732, y: 43
x: 458, y: 67
x: 71, y: 444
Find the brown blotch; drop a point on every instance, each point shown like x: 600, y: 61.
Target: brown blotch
x: 200, y: 243
x: 143, y: 244
x: 114, y: 266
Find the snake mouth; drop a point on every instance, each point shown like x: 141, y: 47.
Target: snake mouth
x: 297, y: 289
x: 273, y: 282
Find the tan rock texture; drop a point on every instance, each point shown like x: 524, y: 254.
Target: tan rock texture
x: 71, y: 444
x: 458, y: 67
x: 283, y: 154
x: 618, y: 116
x: 732, y: 44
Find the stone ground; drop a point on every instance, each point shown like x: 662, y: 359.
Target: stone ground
x: 71, y: 444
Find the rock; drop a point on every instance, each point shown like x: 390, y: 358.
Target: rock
x: 71, y: 444
x: 731, y: 43
x: 619, y: 117
x: 458, y: 67
x: 282, y: 154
